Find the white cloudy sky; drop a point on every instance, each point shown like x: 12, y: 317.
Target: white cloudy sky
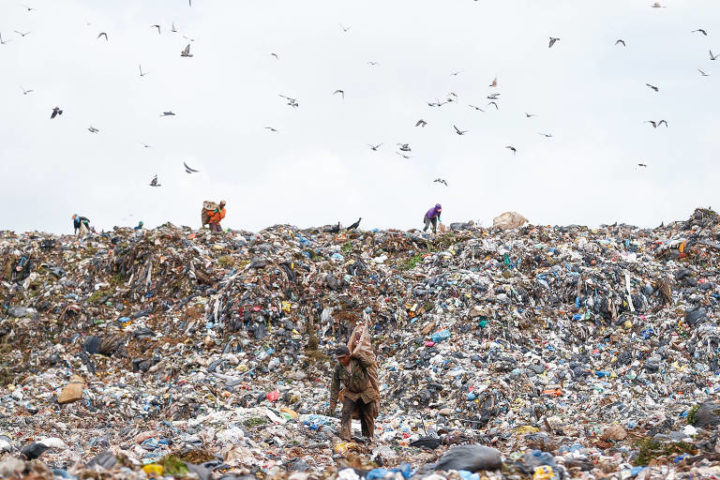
x: 589, y: 94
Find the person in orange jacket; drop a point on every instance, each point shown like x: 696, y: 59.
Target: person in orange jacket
x: 216, y: 217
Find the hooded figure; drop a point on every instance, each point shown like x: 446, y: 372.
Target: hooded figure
x: 432, y: 217
x: 357, y: 371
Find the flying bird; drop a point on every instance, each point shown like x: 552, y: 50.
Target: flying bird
x: 656, y: 124
x: 512, y: 149
x: 156, y: 26
x: 3, y: 42
x: 496, y: 105
x: 493, y: 96
x: 142, y: 74
x: 372, y: 64
x: 441, y: 180
x: 154, y: 182
x: 700, y: 30
x: 29, y: 9
x: 476, y: 108
x: 530, y: 115
x: 552, y: 41
x: 169, y: 113
x: 188, y: 38
x: 546, y: 135
x: 713, y: 57
x: 703, y: 73
x: 173, y: 28
x: 271, y: 129
x: 22, y: 34
x: 374, y: 148
x: 145, y: 145
x: 406, y: 157
x: 186, y: 52
x: 657, y: 89
x: 92, y: 129
x: 404, y: 147
x: 620, y: 41
x: 642, y: 165
x: 657, y: 5
x: 421, y: 123
x: 55, y: 112
x: 291, y: 101
x: 341, y: 92
x: 436, y: 103
x: 494, y: 83
x: 344, y: 29
x: 188, y: 169
x: 25, y: 92
x: 454, y: 74
x: 102, y: 34
x: 273, y: 54
x: 460, y: 132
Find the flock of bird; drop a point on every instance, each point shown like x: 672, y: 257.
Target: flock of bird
x: 403, y: 149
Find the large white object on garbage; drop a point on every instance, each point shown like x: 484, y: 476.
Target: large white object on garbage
x: 509, y: 220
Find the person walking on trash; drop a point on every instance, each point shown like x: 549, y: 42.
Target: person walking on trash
x: 81, y: 224
x: 357, y: 371
x: 216, y: 217
x: 433, y: 217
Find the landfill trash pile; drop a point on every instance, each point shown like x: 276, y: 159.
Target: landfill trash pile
x: 535, y: 352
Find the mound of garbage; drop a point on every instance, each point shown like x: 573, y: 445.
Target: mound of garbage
x: 531, y: 352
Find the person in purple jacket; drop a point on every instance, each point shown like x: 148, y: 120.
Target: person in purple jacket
x: 432, y: 217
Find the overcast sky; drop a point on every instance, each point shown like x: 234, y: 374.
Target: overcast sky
x: 587, y: 92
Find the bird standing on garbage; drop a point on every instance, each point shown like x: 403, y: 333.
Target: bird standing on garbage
x: 355, y: 225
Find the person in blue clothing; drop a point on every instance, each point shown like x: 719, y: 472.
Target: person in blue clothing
x: 432, y: 217
x: 81, y: 224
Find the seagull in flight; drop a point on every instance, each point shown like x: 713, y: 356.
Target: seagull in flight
x: 271, y: 129
x: 156, y: 26
x: 496, y: 105
x: 620, y: 42
x: 512, y: 149
x: 291, y: 101
x: 102, y: 34
x: 188, y: 169
x: 552, y: 41
x: 441, y: 180
x: 657, y: 89
x: 404, y: 147
x: 29, y: 9
x: 25, y: 92
x: 421, y: 123
x: 406, y: 157
x: 21, y: 33
x: 92, y: 129
x: 494, y: 83
x: 169, y: 113
x: 657, y: 5
x: 460, y: 132
x: 700, y: 30
x: 154, y: 182
x: 530, y: 115
x: 341, y: 92
x: 642, y: 165
x: 186, y: 52
x: 273, y: 54
x: 713, y: 57
x: 3, y: 42
x: 476, y: 108
x: 656, y: 124
x: 145, y: 145
x: 173, y: 28
x: 344, y: 28
x: 493, y: 96
x: 454, y: 74
x: 703, y: 73
x: 142, y: 74
x: 374, y: 148
x: 55, y: 112
x: 372, y: 64
x: 546, y: 135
